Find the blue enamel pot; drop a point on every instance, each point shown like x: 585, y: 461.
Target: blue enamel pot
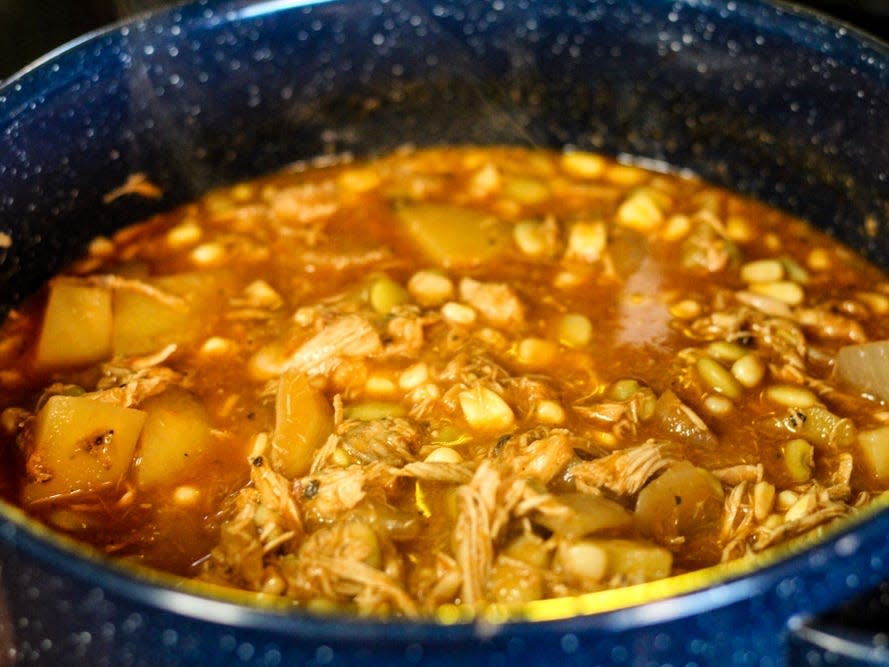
x: 768, y: 99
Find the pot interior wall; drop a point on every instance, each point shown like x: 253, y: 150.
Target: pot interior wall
x: 748, y: 96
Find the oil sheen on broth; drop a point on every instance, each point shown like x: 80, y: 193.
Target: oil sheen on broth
x: 457, y: 375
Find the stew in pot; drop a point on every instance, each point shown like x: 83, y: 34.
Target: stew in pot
x: 457, y: 375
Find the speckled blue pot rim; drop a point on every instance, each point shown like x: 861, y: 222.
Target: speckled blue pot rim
x: 775, y: 101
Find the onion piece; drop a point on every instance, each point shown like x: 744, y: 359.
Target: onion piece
x: 674, y: 416
x: 865, y: 367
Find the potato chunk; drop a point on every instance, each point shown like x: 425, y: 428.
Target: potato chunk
x: 176, y: 432
x: 81, y: 445
x: 303, y: 421
x: 145, y: 322
x: 455, y: 236
x: 76, y: 326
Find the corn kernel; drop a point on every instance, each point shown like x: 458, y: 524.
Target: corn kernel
x: 537, y: 352
x: 586, y: 241
x: 786, y: 500
x: 549, y: 412
x: 260, y: 294
x: 359, y: 181
x: 458, y: 313
x: 677, y: 228
x: 208, y: 254
x: 575, y: 330
x: 184, y: 234
x: 568, y: 279
x: 804, y: 506
x: 532, y: 238
x: 430, y: 288
x: 583, y: 560
x: 216, y: 345
x: 378, y: 385
x: 784, y: 291
x: 739, y: 229
x: 101, y: 246
x: 605, y: 438
x: 386, y: 294
x: 581, y: 164
x: 819, y: 259
x: 749, y: 370
x: 640, y: 212
x: 772, y: 241
x: 525, y: 190
x: 444, y: 455
x: 762, y: 271
x: 485, y: 409
x: 625, y: 174
x: 341, y: 458
x: 686, y: 309
x: 413, y: 376
x: 718, y: 406
x: 486, y: 181
x: 242, y: 192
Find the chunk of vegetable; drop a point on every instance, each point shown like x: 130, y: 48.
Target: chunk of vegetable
x: 574, y: 515
x: 385, y: 294
x: 820, y: 427
x: 581, y: 562
x: 675, y: 417
x: 176, y: 432
x: 865, y: 367
x: 530, y: 549
x: 682, y: 501
x: 303, y: 421
x: 145, y: 322
x: 799, y: 459
x: 76, y: 326
x: 455, y: 236
x: 634, y: 561
x: 81, y: 445
x: 874, y: 447
x: 369, y: 411
x: 485, y: 409
x: 512, y: 581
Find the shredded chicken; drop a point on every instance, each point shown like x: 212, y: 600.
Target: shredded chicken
x: 126, y: 388
x: 392, y: 440
x: 626, y: 471
x: 347, y: 336
x: 111, y: 281
x: 338, y: 562
x: 331, y: 492
x: 497, y: 302
x: 473, y: 536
